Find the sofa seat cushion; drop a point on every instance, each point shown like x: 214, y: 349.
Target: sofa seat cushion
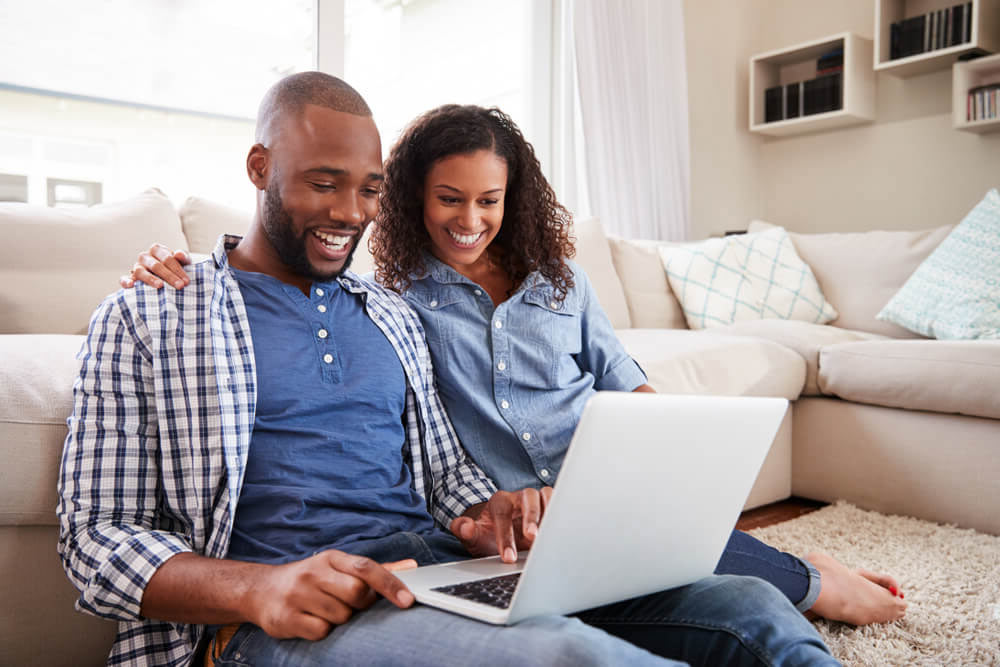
x: 36, y: 396
x: 56, y: 265
x: 680, y: 361
x: 938, y: 376
x: 806, y: 338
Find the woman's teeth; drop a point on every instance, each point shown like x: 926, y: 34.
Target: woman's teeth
x: 465, y: 239
x: 332, y: 240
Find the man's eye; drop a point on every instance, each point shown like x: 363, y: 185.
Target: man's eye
x: 324, y: 186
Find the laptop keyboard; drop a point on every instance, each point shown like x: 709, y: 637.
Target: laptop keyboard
x: 495, y: 591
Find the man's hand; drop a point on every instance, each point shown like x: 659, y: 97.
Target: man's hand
x: 301, y: 599
x: 508, y: 522
x: 158, y: 263
x: 308, y: 598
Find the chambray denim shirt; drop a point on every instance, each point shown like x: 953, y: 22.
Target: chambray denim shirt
x: 515, y: 377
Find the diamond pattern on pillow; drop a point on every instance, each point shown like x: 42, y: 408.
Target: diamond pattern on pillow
x: 955, y: 292
x: 744, y: 277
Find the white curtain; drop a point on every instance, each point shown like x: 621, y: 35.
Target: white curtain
x: 632, y: 76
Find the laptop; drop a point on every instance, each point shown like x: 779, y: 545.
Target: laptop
x: 649, y: 492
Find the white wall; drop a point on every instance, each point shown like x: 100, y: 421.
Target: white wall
x: 907, y: 170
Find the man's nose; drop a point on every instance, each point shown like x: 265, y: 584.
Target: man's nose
x: 348, y: 209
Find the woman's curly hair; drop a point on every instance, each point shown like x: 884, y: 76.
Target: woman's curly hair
x: 535, y: 232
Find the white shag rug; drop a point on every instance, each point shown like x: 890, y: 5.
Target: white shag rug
x: 950, y: 576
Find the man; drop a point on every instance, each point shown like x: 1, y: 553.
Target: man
x: 244, y: 453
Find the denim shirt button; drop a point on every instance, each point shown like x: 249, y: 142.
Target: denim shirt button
x: 526, y: 436
x: 498, y: 324
x: 434, y: 304
x: 478, y: 292
x: 501, y: 366
x: 544, y: 473
x: 504, y: 404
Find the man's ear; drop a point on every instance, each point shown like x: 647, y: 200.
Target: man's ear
x: 258, y: 162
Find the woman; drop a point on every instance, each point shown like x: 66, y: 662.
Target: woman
x: 472, y: 235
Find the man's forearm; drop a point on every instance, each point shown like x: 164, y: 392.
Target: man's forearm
x: 189, y: 588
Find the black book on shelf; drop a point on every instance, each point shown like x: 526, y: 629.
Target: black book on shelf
x: 957, y: 23
x: 822, y: 94
x: 912, y: 35
x: 894, y: 41
x: 967, y: 24
x: 772, y: 104
x: 793, y: 100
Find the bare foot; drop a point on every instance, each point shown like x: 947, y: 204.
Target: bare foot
x: 858, y: 596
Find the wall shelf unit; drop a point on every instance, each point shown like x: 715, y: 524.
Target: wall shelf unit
x: 965, y: 76
x: 984, y: 34
x: 798, y: 63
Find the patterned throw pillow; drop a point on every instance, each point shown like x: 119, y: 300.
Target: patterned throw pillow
x: 955, y: 292
x: 744, y: 277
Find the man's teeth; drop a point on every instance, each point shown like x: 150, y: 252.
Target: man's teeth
x: 465, y: 239
x: 332, y: 240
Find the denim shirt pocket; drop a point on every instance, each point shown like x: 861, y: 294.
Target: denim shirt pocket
x: 553, y: 323
x: 439, y: 312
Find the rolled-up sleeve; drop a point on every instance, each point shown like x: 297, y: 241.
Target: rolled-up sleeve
x: 602, y: 354
x: 108, y: 479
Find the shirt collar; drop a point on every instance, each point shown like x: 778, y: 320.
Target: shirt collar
x: 444, y: 274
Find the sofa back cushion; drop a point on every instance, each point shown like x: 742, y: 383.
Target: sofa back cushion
x: 56, y: 265
x: 594, y: 255
x: 651, y: 302
x: 859, y: 272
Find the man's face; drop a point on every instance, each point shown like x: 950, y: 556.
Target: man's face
x: 322, y: 190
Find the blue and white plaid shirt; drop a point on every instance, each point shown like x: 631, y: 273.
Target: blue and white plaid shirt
x: 159, y: 435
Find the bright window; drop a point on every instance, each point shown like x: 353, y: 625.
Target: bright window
x: 110, y: 97
x: 408, y: 56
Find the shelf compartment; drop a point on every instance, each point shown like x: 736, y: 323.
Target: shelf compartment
x: 797, y: 63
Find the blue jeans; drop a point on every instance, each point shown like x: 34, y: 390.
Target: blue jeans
x: 719, y: 620
x: 793, y: 576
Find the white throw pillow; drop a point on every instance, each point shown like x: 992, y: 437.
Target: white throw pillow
x: 744, y: 277
x: 955, y: 292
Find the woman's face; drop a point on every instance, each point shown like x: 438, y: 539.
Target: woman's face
x: 463, y: 206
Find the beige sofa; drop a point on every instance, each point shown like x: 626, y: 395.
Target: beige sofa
x: 879, y: 418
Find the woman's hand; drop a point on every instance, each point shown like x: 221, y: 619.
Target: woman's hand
x: 156, y: 265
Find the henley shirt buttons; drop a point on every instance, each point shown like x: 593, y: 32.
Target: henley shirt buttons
x: 498, y: 324
x: 504, y: 404
x: 322, y: 333
x: 544, y: 472
x: 526, y: 436
x: 501, y: 366
x: 328, y: 358
x: 321, y: 308
x: 319, y: 291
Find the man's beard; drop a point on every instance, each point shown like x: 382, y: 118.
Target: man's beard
x: 291, y: 249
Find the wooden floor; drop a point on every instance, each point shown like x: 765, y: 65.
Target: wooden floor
x: 783, y: 510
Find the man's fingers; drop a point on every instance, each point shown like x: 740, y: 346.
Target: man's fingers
x: 374, y: 575
x: 395, y: 566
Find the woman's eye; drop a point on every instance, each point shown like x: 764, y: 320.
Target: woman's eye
x: 449, y: 200
x: 489, y: 202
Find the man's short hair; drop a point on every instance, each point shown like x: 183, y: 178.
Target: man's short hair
x: 294, y: 92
